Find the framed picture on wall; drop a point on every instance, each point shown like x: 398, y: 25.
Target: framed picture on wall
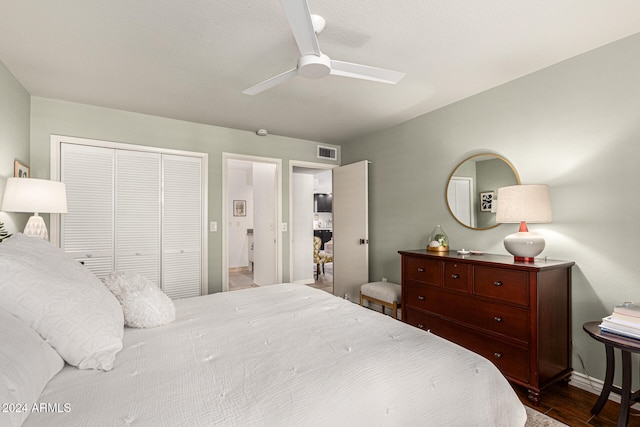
x: 486, y: 201
x: 20, y: 170
x: 239, y: 208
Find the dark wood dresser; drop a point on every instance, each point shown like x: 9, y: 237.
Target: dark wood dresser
x: 516, y: 314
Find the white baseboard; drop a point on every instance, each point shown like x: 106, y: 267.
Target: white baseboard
x: 593, y: 385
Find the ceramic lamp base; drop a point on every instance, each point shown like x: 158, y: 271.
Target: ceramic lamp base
x: 36, y: 228
x: 524, y: 245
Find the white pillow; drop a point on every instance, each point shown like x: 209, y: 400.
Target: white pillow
x: 27, y: 363
x: 62, y: 300
x: 144, y: 305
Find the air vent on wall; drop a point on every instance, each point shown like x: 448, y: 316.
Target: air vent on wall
x: 327, y: 152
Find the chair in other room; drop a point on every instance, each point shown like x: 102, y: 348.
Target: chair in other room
x: 320, y: 257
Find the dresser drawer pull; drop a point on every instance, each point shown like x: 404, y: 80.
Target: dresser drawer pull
x: 498, y: 319
x: 420, y: 325
x: 455, y: 276
x: 420, y: 270
x: 497, y: 355
x: 497, y: 283
x: 420, y: 297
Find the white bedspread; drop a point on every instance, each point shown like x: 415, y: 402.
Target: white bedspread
x: 283, y: 355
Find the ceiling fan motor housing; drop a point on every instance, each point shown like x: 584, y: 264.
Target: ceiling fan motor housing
x: 313, y: 66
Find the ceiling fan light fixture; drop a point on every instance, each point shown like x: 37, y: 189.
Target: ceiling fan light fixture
x: 318, y: 23
x: 314, y: 67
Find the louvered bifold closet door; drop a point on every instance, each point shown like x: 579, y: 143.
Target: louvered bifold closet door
x: 137, y: 231
x: 182, y: 226
x: 87, y: 229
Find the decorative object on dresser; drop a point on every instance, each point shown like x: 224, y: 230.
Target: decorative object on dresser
x: 438, y: 240
x: 522, y: 204
x: 34, y: 196
x: 516, y: 314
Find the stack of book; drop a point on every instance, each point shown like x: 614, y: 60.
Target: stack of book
x: 624, y: 321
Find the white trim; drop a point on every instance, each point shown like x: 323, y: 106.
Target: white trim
x: 54, y: 219
x: 300, y: 164
x: 594, y: 385
x: 225, y: 209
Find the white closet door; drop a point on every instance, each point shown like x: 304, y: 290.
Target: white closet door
x: 137, y: 231
x: 181, y: 226
x: 87, y: 230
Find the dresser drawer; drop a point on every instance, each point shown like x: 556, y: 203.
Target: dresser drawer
x: 513, y: 361
x: 456, y: 276
x: 423, y: 270
x: 501, y: 284
x: 498, y: 318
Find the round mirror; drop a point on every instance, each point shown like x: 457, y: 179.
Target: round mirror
x: 472, y: 189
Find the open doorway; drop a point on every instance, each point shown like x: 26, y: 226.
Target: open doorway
x: 311, y: 228
x: 251, y: 215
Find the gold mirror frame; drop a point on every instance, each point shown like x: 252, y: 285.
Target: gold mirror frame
x: 501, y: 179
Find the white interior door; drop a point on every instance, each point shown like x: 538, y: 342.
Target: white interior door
x: 265, y: 226
x: 350, y: 229
x: 302, y: 228
x: 460, y: 198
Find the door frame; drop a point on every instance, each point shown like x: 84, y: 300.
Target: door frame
x: 299, y: 164
x: 226, y: 207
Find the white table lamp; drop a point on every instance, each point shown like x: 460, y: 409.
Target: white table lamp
x: 36, y: 196
x: 522, y: 204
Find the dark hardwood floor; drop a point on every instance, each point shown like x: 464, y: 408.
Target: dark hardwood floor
x: 572, y: 406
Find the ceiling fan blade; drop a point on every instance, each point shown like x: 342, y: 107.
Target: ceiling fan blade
x: 348, y: 69
x: 299, y: 17
x: 269, y: 83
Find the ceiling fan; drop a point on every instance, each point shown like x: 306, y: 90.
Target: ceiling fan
x: 312, y: 63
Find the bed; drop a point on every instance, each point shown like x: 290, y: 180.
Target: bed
x: 282, y: 355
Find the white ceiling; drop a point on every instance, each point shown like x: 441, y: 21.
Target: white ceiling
x: 190, y: 60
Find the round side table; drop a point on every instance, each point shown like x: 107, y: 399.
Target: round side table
x: 626, y: 347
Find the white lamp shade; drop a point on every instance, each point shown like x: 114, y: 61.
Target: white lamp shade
x: 34, y: 195
x: 528, y: 203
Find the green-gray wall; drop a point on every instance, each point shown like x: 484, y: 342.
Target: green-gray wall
x: 50, y: 116
x: 14, y: 138
x: 574, y: 126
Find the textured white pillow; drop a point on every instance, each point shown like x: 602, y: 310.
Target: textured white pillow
x: 27, y: 363
x: 62, y: 300
x: 144, y: 305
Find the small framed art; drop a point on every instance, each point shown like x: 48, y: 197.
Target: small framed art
x: 20, y: 170
x: 239, y: 208
x: 486, y: 201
